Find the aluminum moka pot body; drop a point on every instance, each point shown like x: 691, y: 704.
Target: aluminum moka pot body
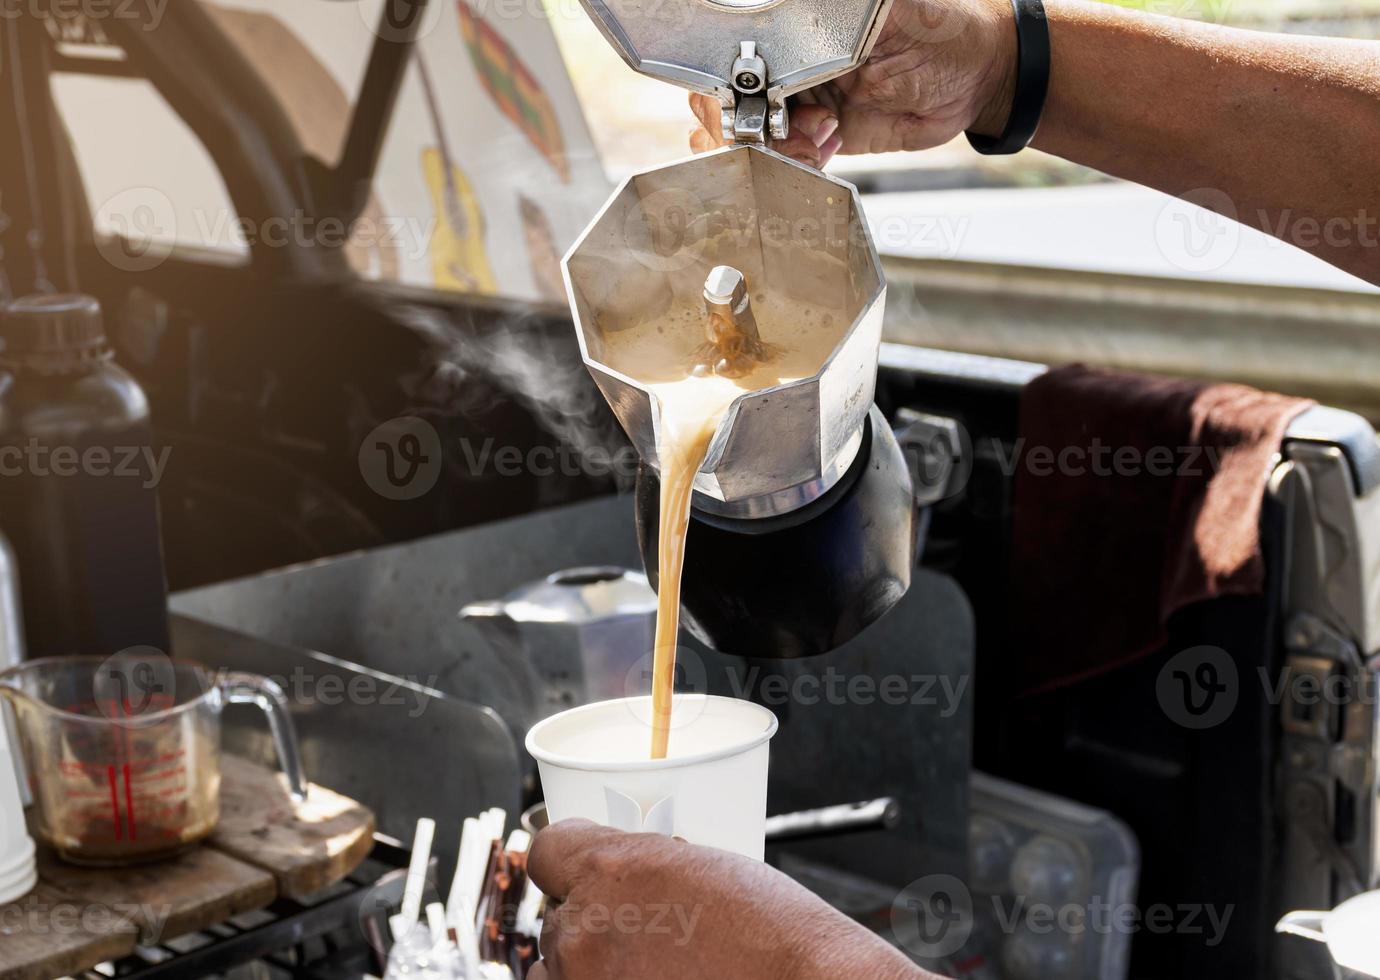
x: 793, y: 232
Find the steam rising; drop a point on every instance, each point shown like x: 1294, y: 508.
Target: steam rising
x: 529, y: 358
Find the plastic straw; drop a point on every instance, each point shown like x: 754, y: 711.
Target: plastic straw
x: 464, y: 872
x: 469, y: 877
x: 416, y: 870
x: 436, y: 922
x: 528, y: 909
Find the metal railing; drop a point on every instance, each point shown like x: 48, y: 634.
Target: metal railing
x: 1312, y: 342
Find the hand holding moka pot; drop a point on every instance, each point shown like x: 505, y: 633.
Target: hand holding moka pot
x: 802, y: 530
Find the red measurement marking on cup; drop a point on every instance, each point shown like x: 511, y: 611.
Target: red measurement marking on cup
x: 164, y: 774
x: 129, y: 802
x: 74, y: 768
x: 115, y: 804
x: 163, y: 759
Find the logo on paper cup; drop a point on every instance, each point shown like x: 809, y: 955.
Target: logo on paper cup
x: 933, y: 917
x: 135, y: 682
x: 625, y: 813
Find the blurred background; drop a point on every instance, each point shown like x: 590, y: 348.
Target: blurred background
x: 326, y: 246
x: 542, y: 118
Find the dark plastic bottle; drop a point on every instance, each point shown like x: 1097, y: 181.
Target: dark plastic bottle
x: 78, y: 483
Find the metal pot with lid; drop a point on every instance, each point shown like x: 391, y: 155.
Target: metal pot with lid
x: 803, y: 475
x: 579, y: 633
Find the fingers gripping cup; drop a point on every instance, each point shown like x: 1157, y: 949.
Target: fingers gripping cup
x: 711, y: 788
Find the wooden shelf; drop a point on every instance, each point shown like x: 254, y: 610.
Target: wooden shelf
x: 265, y: 846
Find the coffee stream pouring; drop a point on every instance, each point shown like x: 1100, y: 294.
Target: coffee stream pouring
x: 758, y: 271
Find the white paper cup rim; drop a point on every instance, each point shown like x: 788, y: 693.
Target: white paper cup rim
x: 565, y: 761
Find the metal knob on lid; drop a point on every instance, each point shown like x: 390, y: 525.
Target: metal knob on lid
x: 733, y: 345
x: 750, y: 54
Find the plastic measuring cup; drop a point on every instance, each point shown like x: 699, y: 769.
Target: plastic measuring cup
x: 124, y: 752
x: 711, y: 789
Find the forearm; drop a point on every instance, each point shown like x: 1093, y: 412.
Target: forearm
x: 1284, y: 131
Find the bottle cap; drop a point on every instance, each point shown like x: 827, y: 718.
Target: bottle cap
x: 55, y: 332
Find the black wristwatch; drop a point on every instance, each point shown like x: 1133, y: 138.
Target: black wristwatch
x: 1032, y: 82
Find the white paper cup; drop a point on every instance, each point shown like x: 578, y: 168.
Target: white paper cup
x: 711, y: 789
x: 17, y: 873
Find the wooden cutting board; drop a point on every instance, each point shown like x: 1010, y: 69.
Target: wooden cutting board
x: 265, y: 846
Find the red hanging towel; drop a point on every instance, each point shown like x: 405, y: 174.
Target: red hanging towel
x: 1134, y: 497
